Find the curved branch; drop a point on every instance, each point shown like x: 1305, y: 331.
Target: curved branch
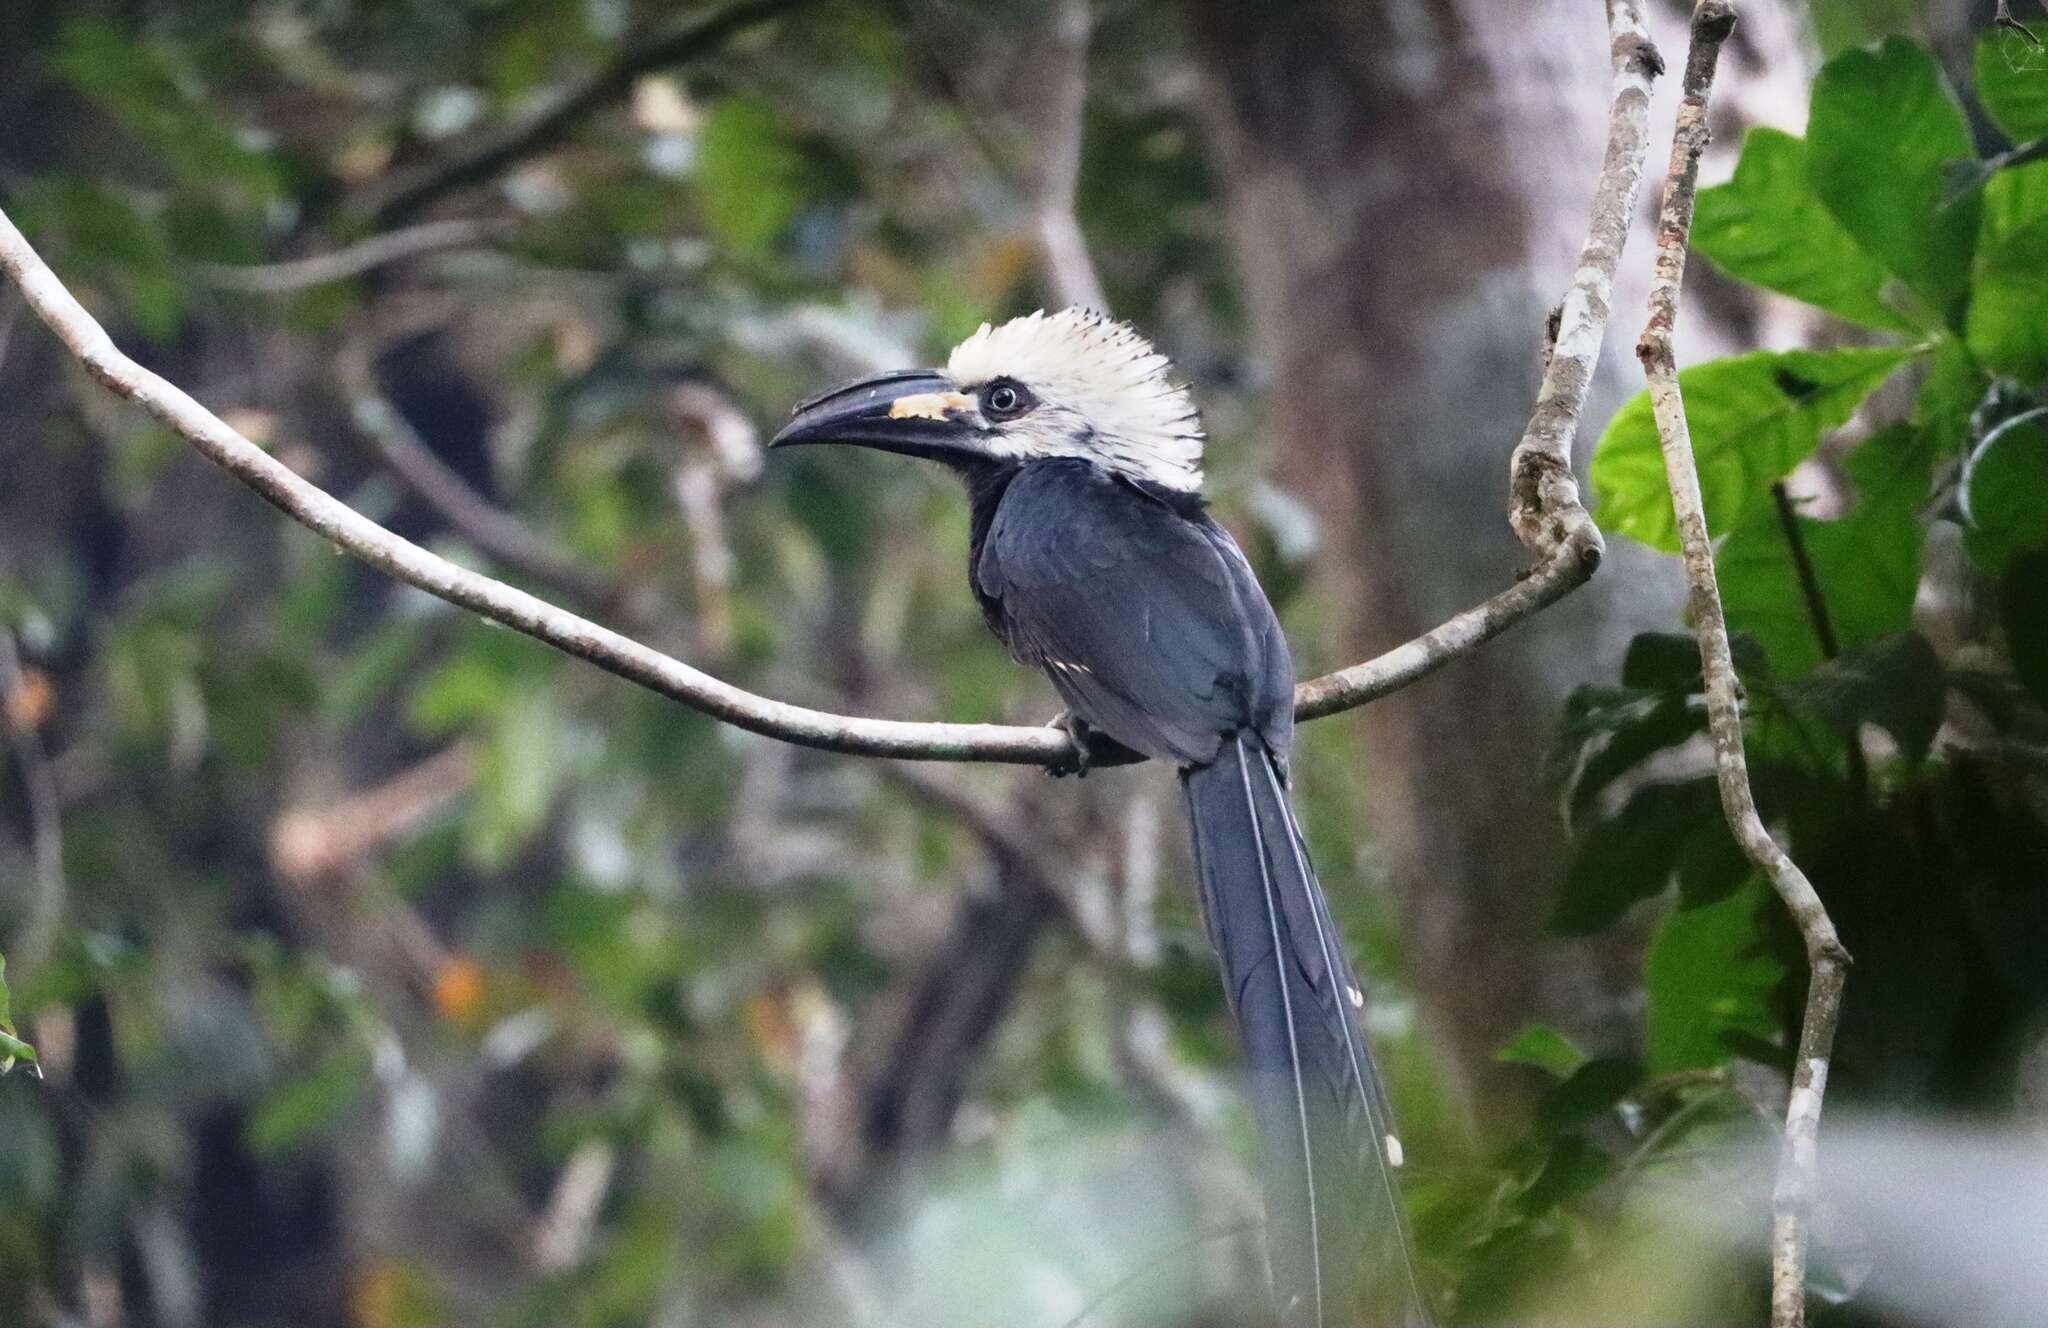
x: 1545, y: 506
x: 365, y: 255
x: 1792, y: 1199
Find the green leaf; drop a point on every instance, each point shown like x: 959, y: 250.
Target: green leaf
x: 307, y: 1106
x: 12, y: 1048
x: 1708, y: 975
x: 1545, y: 1048
x: 2023, y: 596
x: 2004, y: 492
x: 750, y: 175
x: 2007, y: 326
x: 1754, y: 417
x: 1867, y: 562
x: 2012, y: 82
x: 1633, y: 855
x: 1896, y: 683
x: 1882, y: 130
x: 1767, y: 227
x: 1588, y: 1091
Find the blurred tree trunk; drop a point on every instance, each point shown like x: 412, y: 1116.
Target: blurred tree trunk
x: 1407, y: 185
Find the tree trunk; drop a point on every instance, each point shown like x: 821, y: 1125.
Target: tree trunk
x: 1407, y: 183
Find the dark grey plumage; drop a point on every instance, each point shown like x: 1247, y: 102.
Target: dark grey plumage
x: 1094, y: 559
x: 1150, y: 623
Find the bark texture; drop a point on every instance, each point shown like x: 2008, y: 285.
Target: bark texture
x: 1407, y: 184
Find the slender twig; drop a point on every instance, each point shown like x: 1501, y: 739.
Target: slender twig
x: 45, y: 815
x: 496, y: 532
x: 1543, y: 499
x: 365, y: 255
x: 1809, y: 580
x: 403, y: 194
x: 1067, y: 260
x: 1827, y: 960
x: 1823, y: 625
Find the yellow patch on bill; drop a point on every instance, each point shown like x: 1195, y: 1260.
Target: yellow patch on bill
x: 929, y: 405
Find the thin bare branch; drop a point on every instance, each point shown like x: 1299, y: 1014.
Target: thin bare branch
x: 1546, y: 510
x: 1067, y: 260
x: 404, y: 194
x: 1543, y: 495
x: 497, y: 533
x: 365, y: 255
x: 1793, y: 1194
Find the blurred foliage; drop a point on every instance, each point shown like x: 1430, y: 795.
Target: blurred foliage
x: 409, y: 974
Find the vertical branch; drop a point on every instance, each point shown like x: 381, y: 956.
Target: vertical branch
x: 1059, y: 226
x: 1793, y: 1194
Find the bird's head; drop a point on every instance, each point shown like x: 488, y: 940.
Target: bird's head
x: 1066, y: 384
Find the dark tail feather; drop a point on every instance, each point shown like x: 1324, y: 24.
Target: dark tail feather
x: 1336, y: 1234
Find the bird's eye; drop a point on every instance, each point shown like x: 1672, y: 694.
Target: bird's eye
x: 1004, y: 400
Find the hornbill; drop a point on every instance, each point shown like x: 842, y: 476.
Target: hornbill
x: 1094, y: 558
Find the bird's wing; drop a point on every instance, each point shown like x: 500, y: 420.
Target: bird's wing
x: 1147, y: 618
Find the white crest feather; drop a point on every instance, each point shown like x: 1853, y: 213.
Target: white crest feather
x: 1104, y: 393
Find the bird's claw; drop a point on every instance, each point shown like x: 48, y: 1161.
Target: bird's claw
x: 1079, y: 734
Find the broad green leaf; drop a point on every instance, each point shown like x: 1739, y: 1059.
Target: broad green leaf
x: 2012, y: 82
x: 1754, y: 417
x: 1767, y: 227
x: 1882, y: 130
x: 1867, y: 562
x: 749, y: 175
x: 2004, y: 492
x: 2007, y: 326
x: 1545, y: 1048
x: 1708, y: 975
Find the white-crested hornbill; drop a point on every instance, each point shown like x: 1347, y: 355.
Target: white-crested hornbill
x: 1095, y: 559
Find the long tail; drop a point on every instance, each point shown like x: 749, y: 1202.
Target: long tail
x: 1336, y: 1234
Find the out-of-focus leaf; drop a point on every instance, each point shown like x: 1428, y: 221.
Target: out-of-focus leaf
x: 2005, y: 493
x: 1708, y: 975
x: 102, y: 236
x: 749, y: 174
x: 1881, y: 133
x: 1633, y: 855
x: 1754, y: 417
x: 1587, y: 1092
x: 1545, y: 1048
x: 141, y: 88
x: 1896, y: 683
x: 2012, y: 82
x: 304, y: 1107
x: 2007, y: 326
x: 12, y: 1048
x: 523, y: 764
x: 2023, y: 606
x: 1767, y: 227
x: 1670, y: 661
x: 1867, y: 562
x: 1608, y: 732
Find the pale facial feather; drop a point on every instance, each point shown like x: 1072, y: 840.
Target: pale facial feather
x: 1104, y: 394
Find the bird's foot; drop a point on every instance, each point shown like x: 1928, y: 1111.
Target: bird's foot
x: 1092, y: 748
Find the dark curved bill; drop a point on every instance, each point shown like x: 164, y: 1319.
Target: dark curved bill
x: 917, y: 412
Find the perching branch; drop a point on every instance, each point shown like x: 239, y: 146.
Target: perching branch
x: 1546, y: 511
x: 404, y: 194
x: 1793, y: 1195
